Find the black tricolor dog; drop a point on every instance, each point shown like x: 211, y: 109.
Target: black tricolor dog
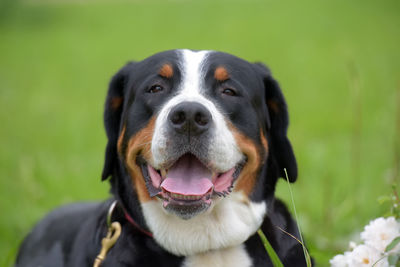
x: 196, y: 143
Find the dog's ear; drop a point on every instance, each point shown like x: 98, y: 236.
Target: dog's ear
x: 277, y: 121
x: 112, y: 117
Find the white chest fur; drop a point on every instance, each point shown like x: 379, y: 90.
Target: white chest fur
x: 225, y: 226
x: 229, y: 257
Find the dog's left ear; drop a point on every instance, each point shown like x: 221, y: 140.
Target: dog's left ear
x: 112, y: 117
x: 277, y: 121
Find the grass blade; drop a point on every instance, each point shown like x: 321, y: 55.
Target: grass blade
x: 270, y: 250
x: 306, y: 254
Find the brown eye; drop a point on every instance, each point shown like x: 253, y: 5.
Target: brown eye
x: 229, y: 91
x: 155, y: 89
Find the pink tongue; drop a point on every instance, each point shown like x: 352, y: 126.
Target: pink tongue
x: 188, y: 176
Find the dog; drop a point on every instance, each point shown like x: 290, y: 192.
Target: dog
x: 196, y: 144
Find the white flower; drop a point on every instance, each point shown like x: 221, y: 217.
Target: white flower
x: 377, y: 235
x: 380, y: 232
x: 352, y: 245
x: 341, y: 260
x: 364, y: 255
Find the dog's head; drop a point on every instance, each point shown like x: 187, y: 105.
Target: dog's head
x: 186, y: 130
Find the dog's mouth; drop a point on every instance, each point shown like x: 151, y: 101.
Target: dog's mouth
x: 187, y: 187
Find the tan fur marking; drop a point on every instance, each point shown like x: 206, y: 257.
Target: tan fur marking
x: 255, y: 159
x: 166, y: 71
x: 116, y: 102
x: 264, y: 141
x: 221, y: 74
x: 273, y: 105
x: 120, y: 139
x: 140, y: 143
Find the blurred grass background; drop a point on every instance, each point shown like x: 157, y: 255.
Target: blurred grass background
x: 338, y: 63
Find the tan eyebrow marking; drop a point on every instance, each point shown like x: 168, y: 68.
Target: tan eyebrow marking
x: 221, y: 74
x: 116, y: 102
x: 166, y: 71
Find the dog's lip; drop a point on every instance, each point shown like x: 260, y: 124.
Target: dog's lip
x: 178, y: 199
x: 223, y: 183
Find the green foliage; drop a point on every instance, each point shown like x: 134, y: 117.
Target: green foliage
x: 393, y: 257
x: 270, y: 250
x: 393, y: 244
x: 57, y: 58
x: 301, y: 241
x: 394, y: 260
x: 393, y: 200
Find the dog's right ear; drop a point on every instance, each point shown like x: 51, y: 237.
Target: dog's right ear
x: 112, y: 117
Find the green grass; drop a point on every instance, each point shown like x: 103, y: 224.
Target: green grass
x: 276, y: 262
x: 56, y: 58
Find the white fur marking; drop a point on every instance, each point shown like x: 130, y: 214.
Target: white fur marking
x: 229, y: 223
x: 223, y: 151
x: 229, y: 257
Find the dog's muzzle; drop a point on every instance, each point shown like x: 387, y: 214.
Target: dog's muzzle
x: 189, y: 177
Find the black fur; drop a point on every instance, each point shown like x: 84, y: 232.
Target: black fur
x: 71, y: 236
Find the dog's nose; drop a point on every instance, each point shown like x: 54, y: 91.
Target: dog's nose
x: 190, y: 118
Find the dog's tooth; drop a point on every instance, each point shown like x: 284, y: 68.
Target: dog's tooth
x: 214, y: 176
x: 163, y: 173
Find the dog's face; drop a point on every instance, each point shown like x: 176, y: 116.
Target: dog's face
x: 190, y: 129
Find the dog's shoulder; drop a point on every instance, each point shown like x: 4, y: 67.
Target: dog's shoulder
x: 52, y: 239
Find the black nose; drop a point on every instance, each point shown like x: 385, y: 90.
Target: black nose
x: 190, y: 118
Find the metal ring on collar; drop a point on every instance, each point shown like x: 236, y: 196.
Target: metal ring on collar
x: 110, y: 212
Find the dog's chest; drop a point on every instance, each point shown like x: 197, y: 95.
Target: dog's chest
x: 232, y: 257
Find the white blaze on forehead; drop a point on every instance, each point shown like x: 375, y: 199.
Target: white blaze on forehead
x: 192, y: 72
x: 223, y: 151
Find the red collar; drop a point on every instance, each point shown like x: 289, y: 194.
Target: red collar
x: 137, y: 226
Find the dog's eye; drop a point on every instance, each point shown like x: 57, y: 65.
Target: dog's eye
x: 229, y: 91
x: 155, y: 89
